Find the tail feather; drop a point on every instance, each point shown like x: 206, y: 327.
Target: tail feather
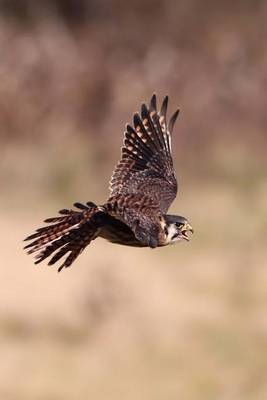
x: 70, y: 232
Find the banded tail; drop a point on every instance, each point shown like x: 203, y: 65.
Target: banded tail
x: 70, y: 232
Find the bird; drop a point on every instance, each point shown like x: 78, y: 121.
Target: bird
x: 142, y: 187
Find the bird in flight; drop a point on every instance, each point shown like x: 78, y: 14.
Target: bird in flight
x: 143, y: 186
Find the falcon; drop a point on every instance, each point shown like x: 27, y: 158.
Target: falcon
x: 143, y: 186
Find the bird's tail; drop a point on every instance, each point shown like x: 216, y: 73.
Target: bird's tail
x: 70, y: 232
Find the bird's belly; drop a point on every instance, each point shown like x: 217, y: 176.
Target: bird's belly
x: 117, y: 232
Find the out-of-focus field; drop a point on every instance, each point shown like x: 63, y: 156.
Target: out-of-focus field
x: 188, y: 321
x: 184, y: 322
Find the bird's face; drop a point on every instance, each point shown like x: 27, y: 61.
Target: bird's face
x: 177, y: 228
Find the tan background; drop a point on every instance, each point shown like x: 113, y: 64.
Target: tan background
x: 186, y: 322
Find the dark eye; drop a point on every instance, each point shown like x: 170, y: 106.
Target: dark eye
x: 179, y: 224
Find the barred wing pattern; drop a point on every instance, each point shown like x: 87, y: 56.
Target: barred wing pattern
x: 146, y: 166
x: 141, y: 213
x: 70, y: 232
x: 143, y: 186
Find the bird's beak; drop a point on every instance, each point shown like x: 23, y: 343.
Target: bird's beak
x: 187, y: 228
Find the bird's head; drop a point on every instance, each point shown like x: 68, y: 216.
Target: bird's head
x: 176, y: 228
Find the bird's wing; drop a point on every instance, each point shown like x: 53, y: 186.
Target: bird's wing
x: 140, y: 213
x: 146, y: 165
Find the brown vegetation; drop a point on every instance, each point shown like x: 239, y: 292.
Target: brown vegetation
x: 184, y: 322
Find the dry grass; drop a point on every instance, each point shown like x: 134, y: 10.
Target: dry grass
x: 186, y: 322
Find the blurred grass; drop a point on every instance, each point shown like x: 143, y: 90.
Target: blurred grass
x: 188, y: 321
x: 183, y: 322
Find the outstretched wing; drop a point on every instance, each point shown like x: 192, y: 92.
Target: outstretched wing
x: 146, y: 165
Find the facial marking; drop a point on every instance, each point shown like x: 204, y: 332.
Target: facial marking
x: 172, y: 231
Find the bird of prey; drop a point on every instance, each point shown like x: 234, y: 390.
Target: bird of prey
x: 143, y: 186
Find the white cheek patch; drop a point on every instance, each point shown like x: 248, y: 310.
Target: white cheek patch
x: 172, y: 230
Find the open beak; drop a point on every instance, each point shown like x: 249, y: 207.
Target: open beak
x: 186, y: 229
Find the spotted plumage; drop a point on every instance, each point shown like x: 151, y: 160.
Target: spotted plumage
x: 143, y: 186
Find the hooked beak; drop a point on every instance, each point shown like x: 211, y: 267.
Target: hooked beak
x: 187, y: 228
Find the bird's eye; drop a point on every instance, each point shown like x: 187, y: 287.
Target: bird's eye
x: 179, y: 224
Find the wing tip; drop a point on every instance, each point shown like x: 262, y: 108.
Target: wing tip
x: 164, y: 106
x: 144, y: 110
x: 153, y: 103
x: 173, y: 120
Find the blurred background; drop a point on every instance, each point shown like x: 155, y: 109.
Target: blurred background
x: 183, y: 322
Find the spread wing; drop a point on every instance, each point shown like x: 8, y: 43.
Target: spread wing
x: 146, y: 165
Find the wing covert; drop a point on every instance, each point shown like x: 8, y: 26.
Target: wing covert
x: 146, y: 165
